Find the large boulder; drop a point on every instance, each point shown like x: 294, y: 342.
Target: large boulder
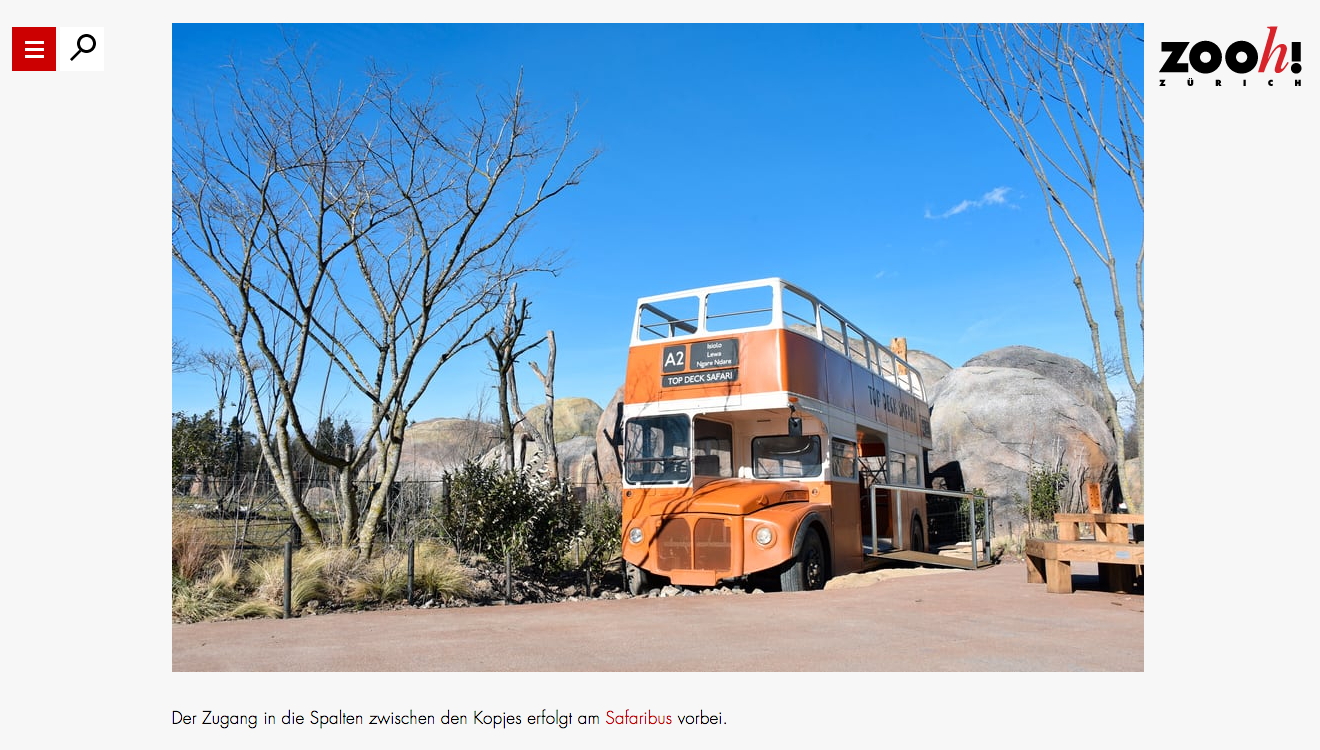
x: 999, y: 423
x: 434, y: 446
x: 576, y: 452
x: 1072, y: 374
x: 578, y: 465
x: 1136, y: 485
x: 574, y: 417
x: 577, y: 461
x: 609, y: 443
x: 932, y: 368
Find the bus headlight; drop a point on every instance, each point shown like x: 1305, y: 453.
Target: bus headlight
x: 635, y: 535
x: 764, y: 535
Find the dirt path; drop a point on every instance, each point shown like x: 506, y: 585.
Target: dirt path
x: 987, y: 620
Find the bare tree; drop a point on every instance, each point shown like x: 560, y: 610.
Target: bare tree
x: 222, y: 368
x: 225, y: 373
x: 183, y: 359
x: 1062, y: 96
x: 505, y: 352
x: 546, y: 437
x: 541, y: 434
x: 370, y: 232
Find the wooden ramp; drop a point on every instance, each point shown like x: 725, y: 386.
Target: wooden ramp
x: 927, y: 558
x: 955, y: 555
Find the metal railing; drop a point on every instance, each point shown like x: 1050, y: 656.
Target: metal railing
x: 898, y: 491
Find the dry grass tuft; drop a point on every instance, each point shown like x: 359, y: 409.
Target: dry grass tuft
x: 256, y: 608
x: 227, y: 575
x: 380, y: 580
x: 197, y: 601
x: 438, y: 572
x: 192, y: 546
x: 322, y: 579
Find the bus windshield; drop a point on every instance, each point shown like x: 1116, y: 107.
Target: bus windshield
x: 655, y: 450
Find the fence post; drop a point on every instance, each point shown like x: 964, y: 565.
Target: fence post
x: 508, y: 577
x: 288, y: 579
x: 410, y: 571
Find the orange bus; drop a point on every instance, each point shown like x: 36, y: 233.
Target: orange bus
x: 756, y: 422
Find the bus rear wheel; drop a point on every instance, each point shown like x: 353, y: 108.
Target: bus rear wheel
x: 918, y: 537
x: 807, y: 571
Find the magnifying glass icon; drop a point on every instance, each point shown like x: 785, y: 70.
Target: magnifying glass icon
x: 81, y: 48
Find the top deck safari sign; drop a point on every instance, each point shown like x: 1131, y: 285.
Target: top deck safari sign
x: 701, y: 363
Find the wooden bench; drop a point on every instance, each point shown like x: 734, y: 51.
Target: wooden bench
x: 1050, y: 562
x: 1107, y: 527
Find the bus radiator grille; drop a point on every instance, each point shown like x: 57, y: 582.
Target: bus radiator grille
x: 704, y: 545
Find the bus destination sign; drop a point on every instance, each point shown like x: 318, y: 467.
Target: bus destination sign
x: 702, y: 363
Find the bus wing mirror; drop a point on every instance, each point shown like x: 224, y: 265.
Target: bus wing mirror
x: 795, y: 426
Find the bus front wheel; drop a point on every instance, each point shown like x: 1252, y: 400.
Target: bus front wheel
x: 639, y: 581
x: 807, y: 571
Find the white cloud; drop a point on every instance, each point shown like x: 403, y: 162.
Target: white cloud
x: 996, y: 197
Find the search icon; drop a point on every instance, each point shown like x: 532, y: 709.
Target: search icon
x: 81, y: 50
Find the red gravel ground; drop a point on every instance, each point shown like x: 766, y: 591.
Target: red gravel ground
x: 986, y: 620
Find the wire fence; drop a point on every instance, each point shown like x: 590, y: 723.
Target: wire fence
x: 949, y: 520
x: 247, y: 513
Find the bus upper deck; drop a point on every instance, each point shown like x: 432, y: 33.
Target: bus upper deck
x: 728, y: 341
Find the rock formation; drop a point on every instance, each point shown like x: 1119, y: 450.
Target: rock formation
x: 574, y: 417
x: 932, y: 368
x: 609, y: 454
x: 999, y: 422
x: 1072, y: 374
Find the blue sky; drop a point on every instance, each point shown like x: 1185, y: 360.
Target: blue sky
x: 840, y: 157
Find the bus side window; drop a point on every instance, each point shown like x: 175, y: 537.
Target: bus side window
x: 713, y: 454
x: 897, y: 473
x: 781, y: 456
x: 843, y: 458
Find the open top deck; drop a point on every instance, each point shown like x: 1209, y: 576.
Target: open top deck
x: 760, y: 305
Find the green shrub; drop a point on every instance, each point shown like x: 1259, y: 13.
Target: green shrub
x: 599, y: 536
x: 1044, y: 487
x: 978, y: 505
x: 521, y: 517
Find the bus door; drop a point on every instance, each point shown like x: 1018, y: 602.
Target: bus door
x: 873, y: 468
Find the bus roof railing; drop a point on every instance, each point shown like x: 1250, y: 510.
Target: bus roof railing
x: 685, y: 325
x: 689, y: 314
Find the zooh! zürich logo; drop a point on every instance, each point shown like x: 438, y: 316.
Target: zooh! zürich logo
x: 1268, y: 65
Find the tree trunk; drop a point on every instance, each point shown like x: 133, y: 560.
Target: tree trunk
x: 548, y: 380
x: 386, y: 473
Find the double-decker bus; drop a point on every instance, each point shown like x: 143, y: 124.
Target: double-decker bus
x: 756, y: 422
